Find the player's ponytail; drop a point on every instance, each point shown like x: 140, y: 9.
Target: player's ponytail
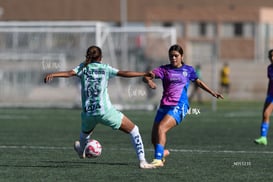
x: 93, y: 53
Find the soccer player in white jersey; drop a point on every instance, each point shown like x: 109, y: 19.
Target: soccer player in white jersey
x: 96, y: 105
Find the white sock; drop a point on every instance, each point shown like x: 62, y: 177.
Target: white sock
x: 137, y: 142
x: 84, y: 137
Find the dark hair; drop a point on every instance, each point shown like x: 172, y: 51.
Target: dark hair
x: 270, y: 52
x: 93, y: 53
x: 177, y: 48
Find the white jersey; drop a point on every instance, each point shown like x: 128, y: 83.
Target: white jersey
x: 94, y: 83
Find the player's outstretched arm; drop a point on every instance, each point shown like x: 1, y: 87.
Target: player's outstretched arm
x: 206, y: 88
x: 132, y: 74
x: 64, y: 74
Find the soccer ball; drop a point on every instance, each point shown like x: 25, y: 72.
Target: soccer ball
x: 92, y: 149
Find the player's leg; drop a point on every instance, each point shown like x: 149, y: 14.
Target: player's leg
x: 154, y: 136
x: 128, y: 126
x: 159, y: 116
x: 88, y: 125
x: 155, y: 141
x: 268, y: 108
x: 167, y: 123
x: 161, y: 112
x: 79, y: 146
x: 167, y: 118
x: 116, y: 120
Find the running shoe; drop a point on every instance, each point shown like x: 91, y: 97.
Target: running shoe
x: 261, y: 141
x: 157, y: 163
x: 145, y: 165
x: 78, y: 149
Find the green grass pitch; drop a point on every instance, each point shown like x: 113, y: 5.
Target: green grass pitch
x: 37, y: 145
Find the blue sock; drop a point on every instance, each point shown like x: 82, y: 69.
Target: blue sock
x: 159, y: 150
x: 264, y: 129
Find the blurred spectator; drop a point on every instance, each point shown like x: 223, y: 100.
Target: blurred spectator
x: 224, y: 79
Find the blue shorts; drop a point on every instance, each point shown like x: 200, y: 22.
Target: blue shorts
x: 111, y: 118
x: 177, y: 112
x: 269, y: 99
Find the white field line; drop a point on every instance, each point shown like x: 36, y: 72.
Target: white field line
x: 126, y: 149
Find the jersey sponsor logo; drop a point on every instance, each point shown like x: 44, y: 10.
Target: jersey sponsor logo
x: 175, y: 78
x: 92, y: 107
x: 93, y: 71
x: 98, y: 72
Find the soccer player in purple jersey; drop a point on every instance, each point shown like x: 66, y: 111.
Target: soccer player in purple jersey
x: 174, y: 104
x: 268, y: 104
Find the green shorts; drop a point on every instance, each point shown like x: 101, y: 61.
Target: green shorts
x: 111, y: 118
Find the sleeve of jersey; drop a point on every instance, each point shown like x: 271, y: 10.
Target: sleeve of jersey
x: 158, y: 72
x: 112, y: 71
x: 193, y: 75
x: 78, y: 69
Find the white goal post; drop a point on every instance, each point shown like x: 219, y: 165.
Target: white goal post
x: 31, y: 49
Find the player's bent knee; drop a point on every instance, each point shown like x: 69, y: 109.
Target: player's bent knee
x: 135, y: 129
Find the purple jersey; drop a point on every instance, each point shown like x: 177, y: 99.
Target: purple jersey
x: 270, y: 77
x: 175, y: 83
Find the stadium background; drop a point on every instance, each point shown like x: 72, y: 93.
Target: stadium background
x: 37, y: 37
x: 134, y: 35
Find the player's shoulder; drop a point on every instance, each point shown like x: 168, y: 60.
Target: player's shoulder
x: 109, y: 69
x: 160, y: 68
x: 106, y: 65
x: 184, y: 67
x: 79, y: 67
x: 99, y: 65
x: 187, y: 67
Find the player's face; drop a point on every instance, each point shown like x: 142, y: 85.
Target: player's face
x: 175, y: 59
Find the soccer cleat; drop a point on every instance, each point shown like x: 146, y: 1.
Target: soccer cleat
x: 166, y: 154
x: 261, y: 141
x: 145, y: 165
x: 78, y: 149
x: 157, y: 163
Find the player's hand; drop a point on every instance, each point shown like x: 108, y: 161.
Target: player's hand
x: 218, y: 96
x: 150, y: 74
x: 48, y: 78
x: 151, y: 84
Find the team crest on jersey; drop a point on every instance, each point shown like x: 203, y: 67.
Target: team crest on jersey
x: 185, y: 74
